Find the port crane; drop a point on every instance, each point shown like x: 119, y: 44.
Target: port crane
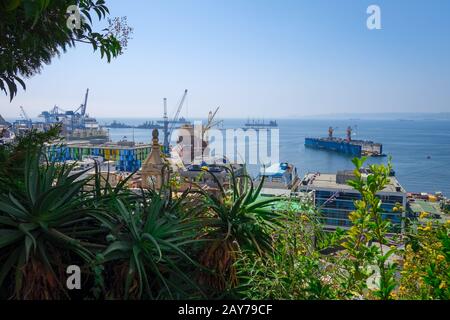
x: 73, y: 119
x: 210, y: 124
x: 82, y: 108
x: 331, y: 132
x: 25, y: 117
x: 168, y: 129
x: 166, y: 126
x: 350, y: 132
x: 23, y: 114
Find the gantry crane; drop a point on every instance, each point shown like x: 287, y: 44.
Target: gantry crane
x: 331, y: 132
x: 170, y: 125
x: 25, y: 117
x: 211, y: 123
x: 83, y: 107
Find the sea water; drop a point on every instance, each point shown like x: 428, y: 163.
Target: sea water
x: 420, y: 149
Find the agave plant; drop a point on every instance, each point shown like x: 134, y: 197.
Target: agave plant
x: 238, y: 219
x: 44, y: 227
x: 147, y: 257
x: 13, y: 156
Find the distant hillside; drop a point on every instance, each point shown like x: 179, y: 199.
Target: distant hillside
x: 384, y: 116
x: 3, y: 121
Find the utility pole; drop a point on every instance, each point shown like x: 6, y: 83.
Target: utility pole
x: 166, y: 127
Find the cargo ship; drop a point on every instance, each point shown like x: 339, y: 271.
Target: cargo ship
x: 146, y: 125
x: 257, y: 124
x: 77, y: 124
x: 356, y: 148
x: 180, y: 121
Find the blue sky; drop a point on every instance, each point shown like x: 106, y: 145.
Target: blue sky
x: 258, y: 58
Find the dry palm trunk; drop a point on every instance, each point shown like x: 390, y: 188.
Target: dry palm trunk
x: 37, y: 282
x: 220, y: 258
x: 118, y: 279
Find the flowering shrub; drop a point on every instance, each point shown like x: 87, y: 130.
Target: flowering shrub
x: 426, y: 268
x: 365, y: 262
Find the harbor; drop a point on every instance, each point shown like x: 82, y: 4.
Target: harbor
x: 85, y: 142
x: 429, y: 158
x: 307, y: 160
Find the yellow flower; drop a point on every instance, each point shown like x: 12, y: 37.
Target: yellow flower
x: 423, y: 215
x: 443, y: 285
x: 440, y: 258
x: 305, y: 218
x: 427, y: 228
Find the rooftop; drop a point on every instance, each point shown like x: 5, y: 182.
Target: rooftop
x: 328, y: 181
x: 433, y: 208
x: 276, y: 192
x: 275, y: 170
x: 108, y: 145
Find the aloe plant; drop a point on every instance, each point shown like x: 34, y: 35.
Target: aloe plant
x: 238, y: 219
x: 43, y: 228
x: 147, y: 257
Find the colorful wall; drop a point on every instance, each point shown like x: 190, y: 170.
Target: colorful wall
x: 127, y: 159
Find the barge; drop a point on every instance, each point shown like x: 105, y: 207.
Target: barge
x: 356, y: 148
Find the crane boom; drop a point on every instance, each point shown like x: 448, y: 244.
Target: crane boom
x: 166, y: 126
x: 83, y: 109
x: 26, y: 117
x: 168, y: 130
x: 211, y: 123
x: 24, y: 114
x: 177, y: 114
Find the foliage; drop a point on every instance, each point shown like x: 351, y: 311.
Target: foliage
x: 147, y: 248
x: 33, y: 32
x: 42, y: 226
x: 366, y: 241
x: 13, y: 156
x: 295, y: 269
x: 426, y: 266
x: 237, y: 219
x: 364, y: 262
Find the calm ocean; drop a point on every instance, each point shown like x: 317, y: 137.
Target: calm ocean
x: 420, y: 149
